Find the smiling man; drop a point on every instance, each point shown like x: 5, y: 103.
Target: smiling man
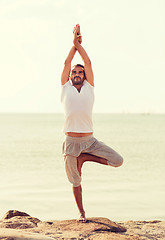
x: 78, y: 75
x: 78, y: 98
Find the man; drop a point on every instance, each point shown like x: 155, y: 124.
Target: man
x: 78, y: 97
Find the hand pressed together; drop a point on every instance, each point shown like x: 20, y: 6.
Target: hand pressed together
x: 77, y: 35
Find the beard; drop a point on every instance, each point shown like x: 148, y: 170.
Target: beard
x: 77, y: 81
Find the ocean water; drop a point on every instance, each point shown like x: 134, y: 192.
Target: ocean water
x: 33, y: 179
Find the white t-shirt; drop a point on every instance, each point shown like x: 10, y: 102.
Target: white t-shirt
x: 78, y: 107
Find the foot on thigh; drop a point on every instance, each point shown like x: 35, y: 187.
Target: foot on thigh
x: 83, y: 157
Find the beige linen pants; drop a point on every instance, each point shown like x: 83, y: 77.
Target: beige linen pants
x: 74, y: 146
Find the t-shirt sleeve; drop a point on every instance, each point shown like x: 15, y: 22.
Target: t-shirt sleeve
x: 63, y: 89
x: 89, y: 84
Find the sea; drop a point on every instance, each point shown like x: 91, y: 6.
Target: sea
x: 33, y: 178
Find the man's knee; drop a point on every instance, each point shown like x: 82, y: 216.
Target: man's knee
x: 72, y: 171
x: 116, y: 161
x: 119, y: 161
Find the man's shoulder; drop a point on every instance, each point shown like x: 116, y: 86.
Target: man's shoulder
x: 68, y: 83
x: 86, y: 83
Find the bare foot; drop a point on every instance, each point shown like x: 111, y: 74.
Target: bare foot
x: 82, y: 218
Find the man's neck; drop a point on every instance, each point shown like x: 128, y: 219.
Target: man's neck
x: 78, y: 87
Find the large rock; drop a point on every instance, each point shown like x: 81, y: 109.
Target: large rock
x: 146, y: 229
x: 71, y: 229
x: 92, y: 225
x: 18, y: 220
x: 14, y: 213
x: 12, y: 234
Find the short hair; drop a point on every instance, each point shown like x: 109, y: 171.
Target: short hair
x: 80, y: 65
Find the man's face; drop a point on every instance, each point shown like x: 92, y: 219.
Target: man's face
x: 77, y: 76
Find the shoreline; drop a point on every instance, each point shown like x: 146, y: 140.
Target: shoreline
x: 18, y: 225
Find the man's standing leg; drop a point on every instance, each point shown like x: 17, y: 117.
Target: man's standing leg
x: 77, y: 191
x: 75, y: 178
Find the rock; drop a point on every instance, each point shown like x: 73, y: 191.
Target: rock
x: 147, y: 229
x: 113, y: 236
x: 18, y: 220
x: 92, y: 225
x: 20, y: 226
x: 71, y: 229
x: 12, y: 234
x: 13, y: 213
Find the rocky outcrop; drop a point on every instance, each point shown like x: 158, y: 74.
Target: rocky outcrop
x: 12, y: 234
x: 14, y: 213
x: 17, y: 225
x: 18, y: 220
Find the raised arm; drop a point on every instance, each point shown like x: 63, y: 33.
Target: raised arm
x: 67, y: 66
x: 84, y: 56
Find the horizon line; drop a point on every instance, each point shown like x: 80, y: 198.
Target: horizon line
x: 124, y: 112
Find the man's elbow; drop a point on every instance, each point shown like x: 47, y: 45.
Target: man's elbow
x: 87, y: 62
x: 67, y: 63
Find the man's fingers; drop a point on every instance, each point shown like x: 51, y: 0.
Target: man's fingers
x: 77, y: 34
x: 74, y: 29
x: 77, y: 29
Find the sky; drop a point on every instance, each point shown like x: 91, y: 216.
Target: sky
x: 123, y: 38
